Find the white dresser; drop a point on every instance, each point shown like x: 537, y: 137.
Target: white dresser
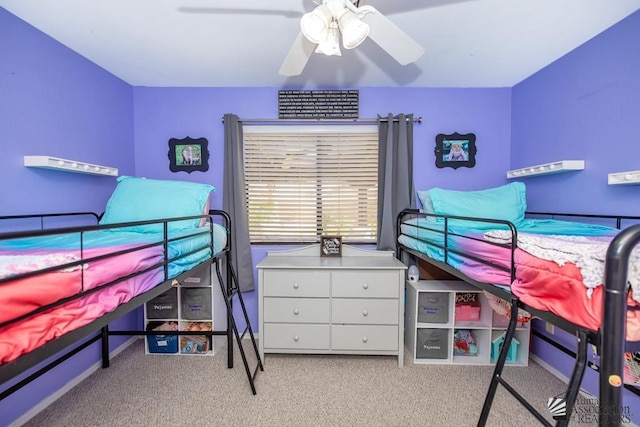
x: 353, y: 304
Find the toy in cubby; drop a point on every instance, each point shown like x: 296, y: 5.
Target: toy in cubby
x: 467, y: 306
x: 496, y: 346
x: 464, y: 343
x: 195, y: 344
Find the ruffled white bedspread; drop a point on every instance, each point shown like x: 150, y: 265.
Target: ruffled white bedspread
x: 10, y: 265
x: 588, y: 253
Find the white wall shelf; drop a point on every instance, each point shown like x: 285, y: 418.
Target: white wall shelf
x: 547, y: 168
x: 632, y: 177
x: 56, y: 163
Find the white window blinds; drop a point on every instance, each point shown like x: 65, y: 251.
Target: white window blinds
x: 304, y: 183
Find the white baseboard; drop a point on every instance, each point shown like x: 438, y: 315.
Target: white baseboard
x: 42, y: 405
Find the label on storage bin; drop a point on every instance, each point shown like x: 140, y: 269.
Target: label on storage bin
x: 162, y: 343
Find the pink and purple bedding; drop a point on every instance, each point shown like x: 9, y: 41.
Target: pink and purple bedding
x: 559, y: 265
x: 21, y: 296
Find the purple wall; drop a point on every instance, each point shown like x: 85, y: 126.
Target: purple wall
x: 585, y: 107
x: 55, y: 102
x: 164, y: 113
x: 58, y: 103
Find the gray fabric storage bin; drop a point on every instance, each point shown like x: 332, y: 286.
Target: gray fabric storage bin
x: 196, y: 303
x: 164, y: 306
x: 433, y: 307
x: 199, y: 276
x: 432, y: 343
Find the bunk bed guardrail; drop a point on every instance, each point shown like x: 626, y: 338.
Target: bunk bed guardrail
x: 610, y: 338
x: 613, y: 323
x: 221, y: 257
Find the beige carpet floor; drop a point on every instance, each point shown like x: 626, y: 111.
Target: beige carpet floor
x: 294, y: 390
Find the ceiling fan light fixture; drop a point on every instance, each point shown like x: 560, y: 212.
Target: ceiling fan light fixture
x: 330, y: 46
x: 354, y: 31
x: 315, y: 24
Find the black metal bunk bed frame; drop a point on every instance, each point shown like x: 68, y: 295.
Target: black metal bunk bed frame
x: 610, y: 339
x: 229, y: 286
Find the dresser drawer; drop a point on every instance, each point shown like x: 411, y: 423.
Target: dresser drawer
x: 365, y: 311
x: 281, y: 336
x: 296, y: 310
x: 374, y: 338
x: 294, y: 283
x: 365, y: 284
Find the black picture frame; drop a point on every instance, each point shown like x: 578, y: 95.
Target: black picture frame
x: 455, y: 150
x: 188, y: 155
x: 331, y: 246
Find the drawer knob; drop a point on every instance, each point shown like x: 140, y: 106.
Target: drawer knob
x: 365, y: 286
x: 365, y: 313
x: 296, y: 338
x: 365, y: 339
x: 295, y: 285
x: 296, y: 311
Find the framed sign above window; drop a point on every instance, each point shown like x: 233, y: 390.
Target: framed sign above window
x: 188, y: 155
x: 455, y: 150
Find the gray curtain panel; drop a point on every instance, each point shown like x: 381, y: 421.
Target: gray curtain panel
x: 234, y: 202
x: 395, y: 174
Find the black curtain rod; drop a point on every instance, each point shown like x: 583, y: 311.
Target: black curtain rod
x: 319, y: 121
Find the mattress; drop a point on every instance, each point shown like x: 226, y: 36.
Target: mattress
x: 559, y: 264
x: 96, y: 268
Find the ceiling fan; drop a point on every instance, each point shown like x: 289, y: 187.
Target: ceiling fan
x: 322, y: 27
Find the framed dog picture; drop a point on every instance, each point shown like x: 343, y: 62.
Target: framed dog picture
x: 331, y: 246
x: 188, y: 155
x: 455, y: 150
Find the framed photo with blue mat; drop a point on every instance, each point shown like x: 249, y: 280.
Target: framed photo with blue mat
x: 455, y: 150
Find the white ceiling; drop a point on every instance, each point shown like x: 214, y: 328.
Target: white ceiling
x: 218, y: 43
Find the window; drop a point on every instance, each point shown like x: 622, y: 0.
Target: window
x: 306, y: 181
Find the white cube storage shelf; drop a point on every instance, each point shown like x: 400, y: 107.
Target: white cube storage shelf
x: 193, y: 305
x: 431, y: 324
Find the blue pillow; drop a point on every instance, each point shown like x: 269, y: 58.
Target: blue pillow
x: 427, y: 205
x: 508, y: 202
x: 143, y: 199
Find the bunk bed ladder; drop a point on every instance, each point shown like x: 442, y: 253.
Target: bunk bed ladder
x: 497, y: 379
x: 232, y: 289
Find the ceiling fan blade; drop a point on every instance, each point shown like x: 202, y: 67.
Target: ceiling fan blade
x: 297, y: 57
x: 392, y: 39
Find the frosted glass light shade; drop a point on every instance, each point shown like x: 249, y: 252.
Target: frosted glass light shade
x: 353, y: 30
x: 315, y: 24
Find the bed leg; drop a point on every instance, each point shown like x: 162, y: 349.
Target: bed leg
x: 576, y: 377
x: 230, y: 320
x: 502, y: 359
x: 105, y: 346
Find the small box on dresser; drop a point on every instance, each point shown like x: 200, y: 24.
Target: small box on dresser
x: 467, y: 331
